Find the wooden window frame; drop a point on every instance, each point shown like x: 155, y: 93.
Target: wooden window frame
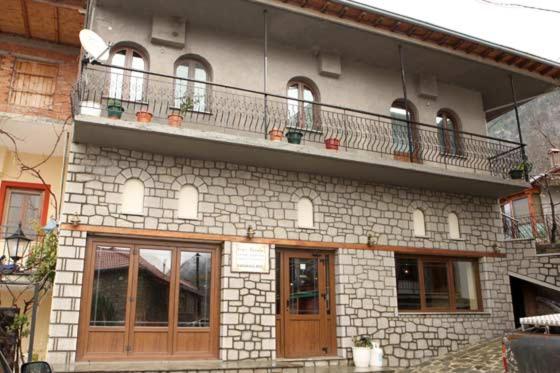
x: 420, y: 260
x: 302, y: 84
x: 408, y: 106
x: 13, y: 91
x: 125, y: 89
x: 192, y: 63
x: 446, y: 134
x: 530, y: 194
x: 5, y: 186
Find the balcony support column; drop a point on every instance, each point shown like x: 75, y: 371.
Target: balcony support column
x: 265, y: 71
x: 515, y: 107
x: 406, y: 108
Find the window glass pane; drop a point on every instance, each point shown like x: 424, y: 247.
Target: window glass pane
x: 181, y: 85
x: 117, y: 75
x: 278, y: 282
x: 199, y: 94
x: 328, y: 284
x: 194, y: 289
x: 466, y: 297
x: 399, y: 127
x: 110, y: 286
x: 25, y: 207
x: 293, y: 106
x: 408, y: 285
x: 304, y: 286
x: 152, y: 297
x: 521, y: 207
x: 136, y: 78
x: 436, y: 285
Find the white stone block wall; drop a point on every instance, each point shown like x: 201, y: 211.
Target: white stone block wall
x: 247, y: 311
x: 524, y: 261
x: 232, y: 197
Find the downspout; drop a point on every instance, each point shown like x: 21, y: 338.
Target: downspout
x: 515, y: 106
x: 406, y: 108
x: 265, y: 71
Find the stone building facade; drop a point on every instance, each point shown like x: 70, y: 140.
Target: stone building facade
x: 234, y: 196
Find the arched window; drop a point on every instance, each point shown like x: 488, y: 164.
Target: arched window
x: 188, y: 203
x: 132, y: 197
x: 453, y: 223
x: 193, y: 94
x: 401, y: 112
x: 419, y: 223
x: 124, y: 84
x: 305, y: 213
x: 303, y: 114
x: 448, y: 132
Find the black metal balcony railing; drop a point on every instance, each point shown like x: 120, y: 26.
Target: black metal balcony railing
x: 537, y: 227
x: 256, y: 113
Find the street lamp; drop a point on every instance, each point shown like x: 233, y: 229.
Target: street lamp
x: 17, y: 244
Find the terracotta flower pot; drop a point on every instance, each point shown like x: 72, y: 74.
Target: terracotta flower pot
x: 174, y: 120
x: 332, y: 143
x: 144, y: 117
x: 275, y: 134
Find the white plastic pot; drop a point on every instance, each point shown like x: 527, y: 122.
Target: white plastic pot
x: 376, y: 356
x: 90, y: 108
x: 361, y: 356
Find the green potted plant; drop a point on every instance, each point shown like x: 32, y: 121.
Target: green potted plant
x: 176, y: 118
x: 294, y: 136
x: 114, y: 108
x: 361, y: 351
x: 521, y: 169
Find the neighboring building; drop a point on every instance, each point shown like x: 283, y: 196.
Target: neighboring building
x: 39, y: 58
x: 297, y: 247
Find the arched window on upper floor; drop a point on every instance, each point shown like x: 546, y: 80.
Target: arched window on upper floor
x: 448, y: 133
x: 302, y: 112
x: 402, y: 112
x: 192, y: 94
x: 124, y: 84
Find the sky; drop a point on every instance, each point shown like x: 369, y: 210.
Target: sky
x: 532, y: 31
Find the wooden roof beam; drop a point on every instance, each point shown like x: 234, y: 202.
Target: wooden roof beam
x: 25, y: 17
x: 57, y: 25
x: 443, y: 40
x: 546, y: 70
x: 361, y: 16
x: 471, y: 48
x: 342, y: 12
x: 378, y: 21
x: 427, y: 34
x: 68, y: 4
x: 458, y: 44
x: 395, y: 26
x: 411, y: 31
x: 325, y: 6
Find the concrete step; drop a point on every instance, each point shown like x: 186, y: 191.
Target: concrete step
x: 347, y: 369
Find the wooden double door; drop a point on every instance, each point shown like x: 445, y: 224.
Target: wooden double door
x: 149, y: 300
x: 305, y: 304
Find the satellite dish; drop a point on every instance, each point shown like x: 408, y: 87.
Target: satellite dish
x: 94, y: 45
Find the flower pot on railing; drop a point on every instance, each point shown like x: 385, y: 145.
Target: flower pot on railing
x: 114, y: 109
x: 332, y: 143
x: 294, y: 136
x: 275, y: 134
x: 516, y: 174
x: 144, y: 117
x: 174, y: 120
x: 519, y: 171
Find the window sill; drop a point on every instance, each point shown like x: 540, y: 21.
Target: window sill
x: 443, y: 313
x: 188, y: 219
x: 132, y: 213
x: 421, y: 236
x: 308, y: 228
x: 460, y: 239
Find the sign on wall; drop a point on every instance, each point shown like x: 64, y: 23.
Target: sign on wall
x: 250, y: 257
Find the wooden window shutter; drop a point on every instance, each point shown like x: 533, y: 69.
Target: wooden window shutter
x: 33, y: 84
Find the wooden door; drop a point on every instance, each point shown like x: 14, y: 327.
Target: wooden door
x: 307, y: 307
x: 149, y: 300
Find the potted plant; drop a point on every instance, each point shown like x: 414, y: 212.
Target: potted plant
x: 361, y: 351
x: 332, y: 143
x: 294, y: 136
x: 275, y: 134
x: 144, y: 116
x: 175, y: 119
x: 114, y: 108
x: 520, y: 170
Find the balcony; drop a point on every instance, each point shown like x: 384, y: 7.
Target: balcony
x: 543, y: 228
x: 227, y: 123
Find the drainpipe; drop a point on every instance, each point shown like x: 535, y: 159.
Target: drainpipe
x: 515, y: 106
x: 265, y: 71
x: 408, y: 125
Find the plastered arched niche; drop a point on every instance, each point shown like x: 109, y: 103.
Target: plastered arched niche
x: 453, y: 226
x: 187, y: 204
x: 419, y: 223
x: 132, y: 197
x: 305, y: 213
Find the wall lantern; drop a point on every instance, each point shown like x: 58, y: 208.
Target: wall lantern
x: 17, y: 244
x: 250, y: 232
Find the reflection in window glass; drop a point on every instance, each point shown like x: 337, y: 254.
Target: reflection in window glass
x: 301, y: 114
x: 436, y: 286
x: 152, y: 297
x: 304, y: 286
x: 110, y: 285
x: 466, y: 297
x: 399, y: 125
x: 278, y: 280
x: 25, y: 207
x: 136, y: 78
x: 196, y: 92
x: 408, y: 286
x: 194, y: 289
x: 117, y: 75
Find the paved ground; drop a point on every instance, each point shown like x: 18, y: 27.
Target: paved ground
x: 485, y: 357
